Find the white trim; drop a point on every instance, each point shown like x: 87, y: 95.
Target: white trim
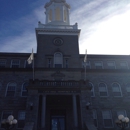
x: 7, y: 88
x: 119, y: 89
x: 96, y: 62
x: 61, y: 59
x: 110, y: 114
x: 103, y: 91
x: 114, y: 65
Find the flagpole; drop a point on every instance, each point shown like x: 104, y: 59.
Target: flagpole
x: 85, y: 63
x: 33, y: 65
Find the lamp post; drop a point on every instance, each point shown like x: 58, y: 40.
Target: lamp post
x: 122, y: 122
x: 9, y: 123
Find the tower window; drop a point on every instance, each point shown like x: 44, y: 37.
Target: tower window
x: 50, y: 15
x: 58, y: 60
x: 57, y: 14
x: 65, y: 15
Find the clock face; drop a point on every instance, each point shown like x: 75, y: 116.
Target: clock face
x: 58, y: 41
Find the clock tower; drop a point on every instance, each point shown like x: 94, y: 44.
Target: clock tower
x: 57, y: 40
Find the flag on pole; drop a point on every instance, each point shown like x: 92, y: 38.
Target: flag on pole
x: 31, y: 58
x: 85, y: 57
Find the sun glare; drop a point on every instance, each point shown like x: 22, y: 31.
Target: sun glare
x: 112, y: 36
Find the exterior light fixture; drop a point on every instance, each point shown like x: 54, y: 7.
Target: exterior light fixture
x: 122, y: 122
x: 9, y: 123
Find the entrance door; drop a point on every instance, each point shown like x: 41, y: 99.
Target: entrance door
x: 58, y: 122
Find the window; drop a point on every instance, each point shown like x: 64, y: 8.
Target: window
x: 103, y: 90
x: 88, y: 65
x: 10, y: 92
x: 5, y: 115
x: 2, y: 63
x: 95, y: 118
x: 21, y: 119
x: 107, y: 118
x: 111, y: 65
x: 123, y: 65
x: 98, y: 65
x: 24, y: 90
x: 57, y: 14
x: 58, y: 60
x: 92, y: 90
x: 28, y: 65
x: 66, y: 63
x: 128, y: 89
x: 49, y: 63
x: 15, y: 63
x: 116, y: 90
x: 122, y: 112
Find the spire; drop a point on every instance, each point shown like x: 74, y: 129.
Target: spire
x: 57, y: 12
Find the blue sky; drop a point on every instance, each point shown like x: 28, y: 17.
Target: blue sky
x: 104, y: 24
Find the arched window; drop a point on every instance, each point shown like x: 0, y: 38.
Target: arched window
x: 92, y: 90
x: 116, y: 90
x: 103, y: 90
x: 24, y: 91
x: 58, y: 60
x: 11, y: 87
x: 57, y: 14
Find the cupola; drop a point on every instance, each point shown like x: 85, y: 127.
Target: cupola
x: 57, y: 12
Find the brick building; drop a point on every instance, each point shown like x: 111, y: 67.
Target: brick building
x: 58, y: 94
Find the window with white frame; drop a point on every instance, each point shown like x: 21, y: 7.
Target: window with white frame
x: 24, y: 91
x: 27, y: 65
x: 2, y: 63
x: 88, y: 65
x: 116, y: 90
x: 123, y: 65
x: 11, y: 87
x: 15, y: 63
x: 95, y: 118
x: 21, y: 119
x: 107, y: 118
x: 98, y: 65
x: 58, y: 60
x: 122, y: 112
x: 111, y: 65
x: 92, y: 90
x: 5, y: 115
x: 128, y: 89
x: 103, y: 90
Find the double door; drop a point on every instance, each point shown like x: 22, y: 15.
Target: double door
x: 58, y: 122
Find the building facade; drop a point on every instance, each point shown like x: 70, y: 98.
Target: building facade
x: 55, y: 91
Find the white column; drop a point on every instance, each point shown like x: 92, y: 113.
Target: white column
x: 62, y: 13
x: 47, y: 16
x: 75, y: 111
x: 43, y: 111
x: 68, y: 18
